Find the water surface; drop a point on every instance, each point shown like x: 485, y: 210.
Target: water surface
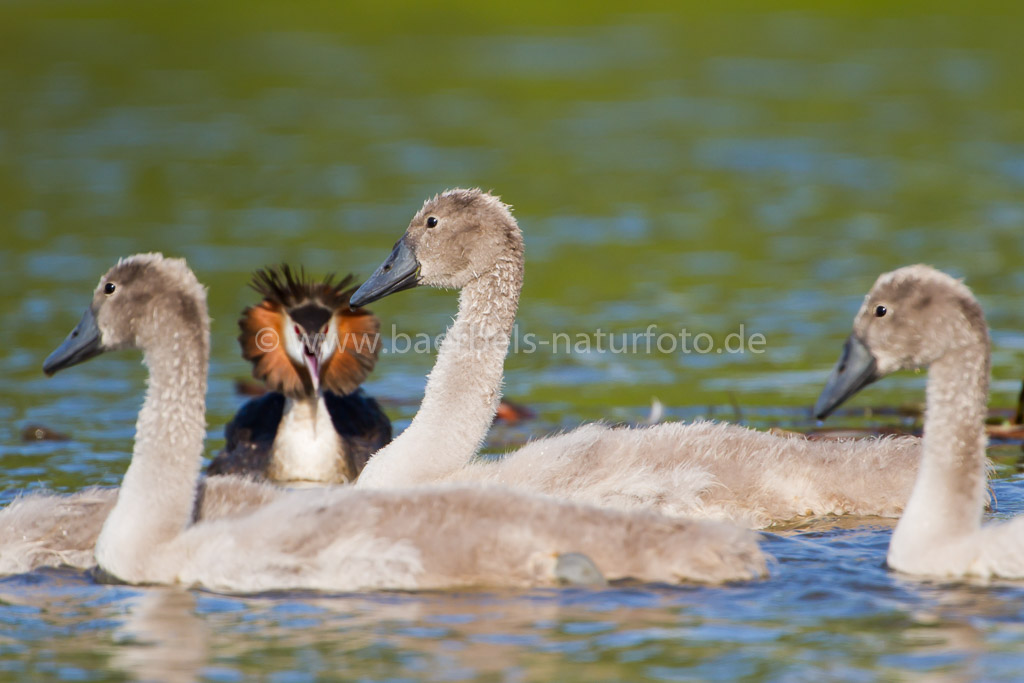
x: 696, y: 169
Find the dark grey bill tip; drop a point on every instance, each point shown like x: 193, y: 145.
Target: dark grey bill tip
x: 82, y: 344
x: 399, y: 271
x: 856, y: 369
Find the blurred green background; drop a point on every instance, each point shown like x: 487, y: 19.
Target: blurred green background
x: 688, y: 165
x: 695, y: 166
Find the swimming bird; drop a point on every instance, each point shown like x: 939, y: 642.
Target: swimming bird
x: 918, y: 317
x: 52, y: 529
x: 313, y: 351
x: 313, y: 372
x: 337, y: 538
x: 47, y: 529
x: 469, y: 240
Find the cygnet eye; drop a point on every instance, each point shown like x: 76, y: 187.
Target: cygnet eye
x: 880, y: 311
x: 432, y: 222
x: 109, y: 288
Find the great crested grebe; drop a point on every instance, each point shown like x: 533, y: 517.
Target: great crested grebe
x: 315, y: 424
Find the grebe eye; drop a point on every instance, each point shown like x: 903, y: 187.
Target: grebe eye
x: 880, y: 311
x: 432, y: 222
x: 109, y: 288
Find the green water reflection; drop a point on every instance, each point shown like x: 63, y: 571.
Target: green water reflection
x: 698, y: 167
